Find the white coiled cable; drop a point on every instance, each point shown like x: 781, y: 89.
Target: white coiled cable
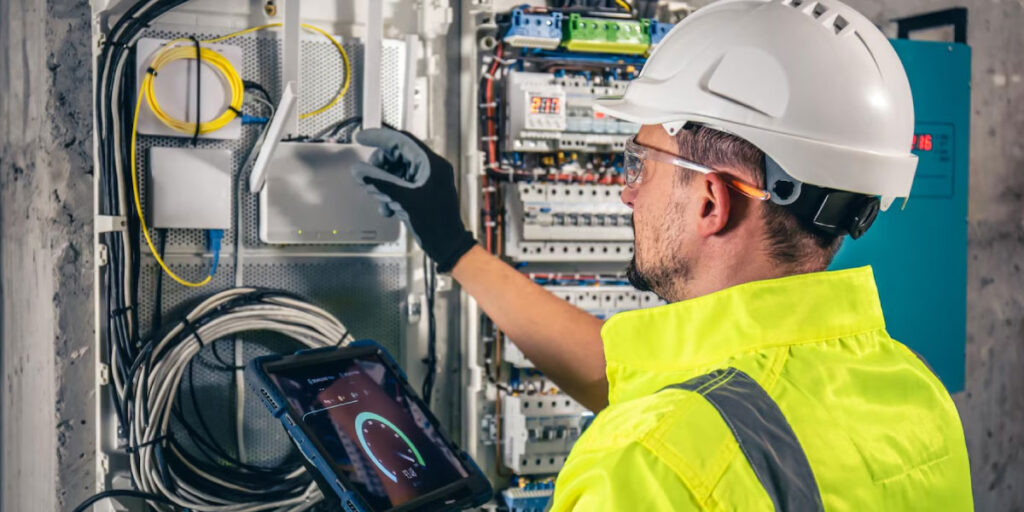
x: 156, y: 381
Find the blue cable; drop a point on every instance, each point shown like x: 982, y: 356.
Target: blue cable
x: 247, y: 119
x: 215, y: 237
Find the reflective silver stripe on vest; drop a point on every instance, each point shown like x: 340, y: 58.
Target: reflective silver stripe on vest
x: 764, y: 436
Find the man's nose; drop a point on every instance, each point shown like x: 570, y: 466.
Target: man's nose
x: 628, y: 195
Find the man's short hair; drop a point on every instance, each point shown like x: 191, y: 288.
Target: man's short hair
x: 790, y: 242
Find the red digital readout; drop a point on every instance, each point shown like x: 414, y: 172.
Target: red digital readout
x: 922, y: 142
x: 544, y: 105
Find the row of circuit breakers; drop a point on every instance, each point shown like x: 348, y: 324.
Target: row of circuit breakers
x: 552, y: 193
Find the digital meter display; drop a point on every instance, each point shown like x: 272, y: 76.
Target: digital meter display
x: 545, y: 105
x: 922, y: 142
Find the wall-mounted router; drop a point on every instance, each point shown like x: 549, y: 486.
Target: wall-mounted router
x: 307, y: 193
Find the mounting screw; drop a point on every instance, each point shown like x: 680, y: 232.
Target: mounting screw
x: 270, y: 8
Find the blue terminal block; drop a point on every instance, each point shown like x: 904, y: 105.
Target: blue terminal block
x: 919, y: 253
x: 533, y: 498
x: 659, y: 29
x: 535, y: 30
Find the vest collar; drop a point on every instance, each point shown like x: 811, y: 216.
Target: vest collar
x: 707, y: 330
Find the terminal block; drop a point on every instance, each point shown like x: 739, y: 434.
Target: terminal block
x: 528, y: 498
x: 534, y: 30
x: 631, y: 37
x: 659, y: 29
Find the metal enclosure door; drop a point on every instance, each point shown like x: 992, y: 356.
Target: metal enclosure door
x: 919, y: 253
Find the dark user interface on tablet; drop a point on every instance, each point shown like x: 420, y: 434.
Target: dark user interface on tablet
x: 371, y: 431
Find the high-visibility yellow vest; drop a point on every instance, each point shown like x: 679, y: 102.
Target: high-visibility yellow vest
x: 784, y: 394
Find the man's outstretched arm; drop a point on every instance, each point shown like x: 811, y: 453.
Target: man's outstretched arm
x: 418, y: 186
x: 562, y: 340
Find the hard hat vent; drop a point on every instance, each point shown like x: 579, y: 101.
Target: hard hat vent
x: 818, y: 10
x: 839, y: 24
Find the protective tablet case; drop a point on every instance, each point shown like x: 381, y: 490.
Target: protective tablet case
x: 323, y: 473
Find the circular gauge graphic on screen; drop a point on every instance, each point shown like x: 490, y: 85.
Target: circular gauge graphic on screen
x: 388, y: 447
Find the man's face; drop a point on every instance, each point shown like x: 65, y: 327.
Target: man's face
x: 661, y: 260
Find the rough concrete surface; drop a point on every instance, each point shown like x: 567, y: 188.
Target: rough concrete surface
x: 45, y: 257
x: 45, y: 254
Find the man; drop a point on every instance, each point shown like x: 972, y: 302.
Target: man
x: 771, y: 129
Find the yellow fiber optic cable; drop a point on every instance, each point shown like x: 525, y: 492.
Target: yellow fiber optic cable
x: 624, y: 5
x: 341, y: 50
x: 138, y: 202
x: 170, y: 52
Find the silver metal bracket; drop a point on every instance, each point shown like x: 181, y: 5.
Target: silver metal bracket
x: 102, y: 256
x: 110, y: 223
x: 104, y: 372
x: 415, y: 309
x: 443, y: 283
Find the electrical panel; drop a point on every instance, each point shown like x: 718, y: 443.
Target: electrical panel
x: 934, y: 219
x: 224, y: 133
x: 223, y: 145
x: 547, y: 181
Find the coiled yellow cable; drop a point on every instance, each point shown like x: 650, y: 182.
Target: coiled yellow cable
x: 169, y: 53
x: 214, y: 59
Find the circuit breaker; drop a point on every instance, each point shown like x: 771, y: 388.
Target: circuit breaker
x: 546, y: 177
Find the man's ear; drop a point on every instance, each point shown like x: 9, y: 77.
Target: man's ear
x: 715, y: 205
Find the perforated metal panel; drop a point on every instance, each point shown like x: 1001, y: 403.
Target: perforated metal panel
x: 367, y: 293
x: 322, y: 76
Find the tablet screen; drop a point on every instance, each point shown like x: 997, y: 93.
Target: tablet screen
x: 373, y: 434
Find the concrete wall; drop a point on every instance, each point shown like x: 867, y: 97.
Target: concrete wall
x: 45, y: 256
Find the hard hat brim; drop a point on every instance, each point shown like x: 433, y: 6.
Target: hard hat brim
x: 621, y: 108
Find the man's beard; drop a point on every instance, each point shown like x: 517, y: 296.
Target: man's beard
x: 668, y: 275
x: 636, y: 278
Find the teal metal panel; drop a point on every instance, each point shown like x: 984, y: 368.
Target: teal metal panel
x: 919, y: 253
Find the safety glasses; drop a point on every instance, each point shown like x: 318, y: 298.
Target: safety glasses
x: 636, y: 154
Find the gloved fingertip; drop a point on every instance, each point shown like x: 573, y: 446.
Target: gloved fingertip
x: 385, y: 210
x: 378, y: 137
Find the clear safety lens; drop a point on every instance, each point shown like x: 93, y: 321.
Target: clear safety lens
x: 633, y: 166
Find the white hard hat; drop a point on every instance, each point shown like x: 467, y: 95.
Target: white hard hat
x: 812, y: 83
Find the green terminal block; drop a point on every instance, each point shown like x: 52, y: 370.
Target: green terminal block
x: 632, y: 37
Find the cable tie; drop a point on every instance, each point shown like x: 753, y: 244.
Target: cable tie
x: 115, y: 43
x: 188, y: 327
x: 151, y: 70
x: 199, y: 72
x: 155, y: 440
x: 488, y: 138
x: 120, y: 311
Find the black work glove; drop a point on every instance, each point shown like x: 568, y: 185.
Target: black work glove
x: 418, y: 186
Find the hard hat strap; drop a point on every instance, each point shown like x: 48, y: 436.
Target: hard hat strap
x: 825, y: 210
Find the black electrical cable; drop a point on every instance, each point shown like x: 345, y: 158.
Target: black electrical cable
x: 253, y: 86
x: 158, y: 294
x: 430, y: 278
x: 121, y: 493
x: 199, y: 88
